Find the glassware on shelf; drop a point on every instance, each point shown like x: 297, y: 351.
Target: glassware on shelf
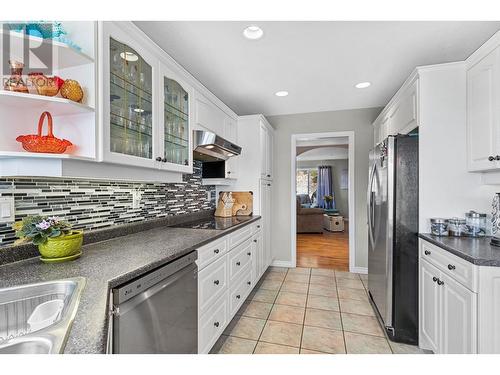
x: 15, y: 81
x: 131, y: 102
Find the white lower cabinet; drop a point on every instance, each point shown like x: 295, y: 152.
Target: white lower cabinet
x: 450, y: 304
x: 429, y: 307
x: 212, y: 324
x: 459, y: 326
x: 228, y: 269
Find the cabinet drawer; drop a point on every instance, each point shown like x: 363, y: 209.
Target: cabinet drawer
x: 240, y: 235
x: 212, y: 283
x: 240, y: 291
x: 210, y: 252
x: 212, y: 324
x: 239, y: 258
x: 257, y: 226
x: 459, y: 269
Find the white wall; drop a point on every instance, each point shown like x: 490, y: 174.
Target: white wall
x: 446, y: 189
x: 341, y: 195
x: 357, y: 120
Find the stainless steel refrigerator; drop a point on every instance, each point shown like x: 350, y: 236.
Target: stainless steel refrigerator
x: 392, y: 235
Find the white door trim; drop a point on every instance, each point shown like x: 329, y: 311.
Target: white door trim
x: 351, y: 196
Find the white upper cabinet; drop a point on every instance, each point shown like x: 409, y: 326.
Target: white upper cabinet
x: 129, y: 100
x: 400, y: 116
x: 175, y: 124
x: 403, y: 114
x: 208, y: 115
x: 483, y: 113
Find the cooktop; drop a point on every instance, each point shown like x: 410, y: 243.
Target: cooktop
x: 216, y: 223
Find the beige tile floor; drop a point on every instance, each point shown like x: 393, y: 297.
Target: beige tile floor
x: 307, y: 311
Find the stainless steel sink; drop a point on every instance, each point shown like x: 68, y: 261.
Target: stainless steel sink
x: 17, y: 305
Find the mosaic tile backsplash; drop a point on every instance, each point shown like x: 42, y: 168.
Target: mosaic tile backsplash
x: 91, y: 204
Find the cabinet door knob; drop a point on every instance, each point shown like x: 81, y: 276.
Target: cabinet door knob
x: 228, y: 172
x: 497, y: 157
x: 268, y: 175
x: 249, y: 253
x: 254, y: 240
x: 249, y: 282
x: 434, y: 279
x: 258, y: 226
x: 451, y: 267
x: 164, y: 160
x: 216, y: 282
x: 491, y: 158
x: 268, y: 184
x: 238, y: 296
x: 216, y: 251
x: 440, y: 282
x: 216, y: 324
x: 158, y: 158
x: 427, y: 252
x: 238, y: 263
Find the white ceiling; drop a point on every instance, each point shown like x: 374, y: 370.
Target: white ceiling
x: 317, y: 62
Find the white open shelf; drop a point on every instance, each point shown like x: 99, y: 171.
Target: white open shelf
x: 65, y: 56
x: 26, y: 154
x: 55, y: 105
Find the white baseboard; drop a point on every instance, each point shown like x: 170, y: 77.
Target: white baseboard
x: 282, y: 263
x: 362, y: 270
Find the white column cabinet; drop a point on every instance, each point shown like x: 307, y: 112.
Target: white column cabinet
x: 266, y: 146
x: 483, y: 113
x: 266, y: 196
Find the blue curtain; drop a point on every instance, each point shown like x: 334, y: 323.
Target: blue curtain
x: 325, y: 186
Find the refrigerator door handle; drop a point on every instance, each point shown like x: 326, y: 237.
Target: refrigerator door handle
x: 370, y: 207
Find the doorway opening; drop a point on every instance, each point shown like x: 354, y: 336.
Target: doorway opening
x: 323, y: 200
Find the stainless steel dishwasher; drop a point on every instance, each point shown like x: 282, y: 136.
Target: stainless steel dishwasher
x: 158, y: 312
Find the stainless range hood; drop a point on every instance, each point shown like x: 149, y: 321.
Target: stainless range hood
x: 209, y: 146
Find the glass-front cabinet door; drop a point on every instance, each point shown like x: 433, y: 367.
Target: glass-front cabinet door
x: 175, y: 129
x: 129, y: 95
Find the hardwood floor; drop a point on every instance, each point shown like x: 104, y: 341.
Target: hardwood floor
x: 327, y: 250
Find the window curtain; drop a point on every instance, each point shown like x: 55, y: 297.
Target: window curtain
x: 325, y: 186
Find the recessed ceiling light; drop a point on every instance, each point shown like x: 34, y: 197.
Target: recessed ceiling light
x: 209, y: 146
x: 253, y: 32
x: 138, y: 110
x: 129, y: 56
x: 281, y: 93
x: 362, y: 85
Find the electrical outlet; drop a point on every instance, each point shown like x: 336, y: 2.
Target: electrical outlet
x: 7, y: 210
x: 136, y: 199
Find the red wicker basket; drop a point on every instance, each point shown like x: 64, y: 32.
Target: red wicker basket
x: 44, y: 143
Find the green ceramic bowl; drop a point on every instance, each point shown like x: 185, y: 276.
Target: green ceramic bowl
x: 63, y: 246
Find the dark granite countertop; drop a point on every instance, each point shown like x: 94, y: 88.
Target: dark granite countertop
x: 108, y: 264
x: 475, y: 250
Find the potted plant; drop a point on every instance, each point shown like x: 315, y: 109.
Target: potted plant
x: 55, y: 239
x: 328, y: 199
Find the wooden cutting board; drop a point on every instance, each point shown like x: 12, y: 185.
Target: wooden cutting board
x: 243, y: 203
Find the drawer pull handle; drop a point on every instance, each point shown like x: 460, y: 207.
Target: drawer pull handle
x: 258, y: 226
x: 238, y: 296
x: 216, y: 324
x: 427, y: 252
x: 216, y: 251
x: 451, y: 267
x: 249, y: 282
x: 216, y: 282
x: 435, y: 279
x: 440, y: 282
x: 249, y: 253
x: 238, y: 263
x: 254, y: 240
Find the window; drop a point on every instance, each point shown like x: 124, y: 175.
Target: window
x: 307, y: 181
